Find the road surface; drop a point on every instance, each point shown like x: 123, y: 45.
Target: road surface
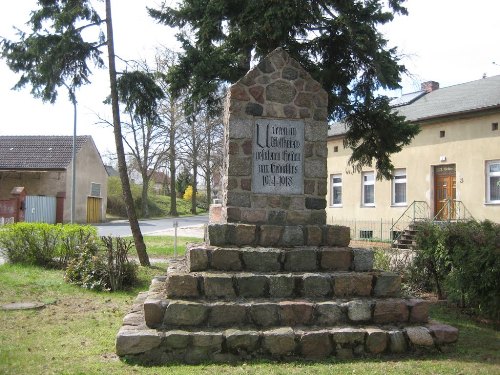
x: 191, y: 226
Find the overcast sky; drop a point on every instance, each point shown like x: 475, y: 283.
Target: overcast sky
x: 448, y: 41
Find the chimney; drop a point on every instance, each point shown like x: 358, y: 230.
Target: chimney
x: 429, y: 86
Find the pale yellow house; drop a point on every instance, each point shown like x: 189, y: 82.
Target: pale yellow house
x: 451, y: 170
x: 42, y: 165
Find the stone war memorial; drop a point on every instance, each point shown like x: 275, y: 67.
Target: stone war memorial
x: 272, y: 279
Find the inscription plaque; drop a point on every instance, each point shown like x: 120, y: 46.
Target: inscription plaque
x: 278, y: 156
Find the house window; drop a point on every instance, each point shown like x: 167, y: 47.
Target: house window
x: 399, y: 187
x: 365, y: 234
x: 368, y: 179
x: 335, y: 148
x: 442, y: 134
x: 494, y: 126
x: 95, y: 189
x: 493, y: 181
x: 336, y: 183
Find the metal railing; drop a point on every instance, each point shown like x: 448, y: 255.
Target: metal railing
x: 417, y: 211
x: 366, y: 230
x: 453, y: 210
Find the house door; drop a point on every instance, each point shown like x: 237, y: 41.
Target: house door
x: 94, y: 210
x: 445, y: 192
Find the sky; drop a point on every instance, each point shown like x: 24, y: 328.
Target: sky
x: 448, y: 41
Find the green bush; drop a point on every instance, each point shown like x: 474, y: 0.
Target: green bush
x: 474, y: 280
x: 42, y: 244
x: 103, y: 266
x: 460, y: 260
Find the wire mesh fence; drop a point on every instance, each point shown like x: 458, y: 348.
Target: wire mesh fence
x: 369, y: 230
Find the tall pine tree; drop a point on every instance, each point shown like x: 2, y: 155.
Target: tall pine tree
x: 337, y: 41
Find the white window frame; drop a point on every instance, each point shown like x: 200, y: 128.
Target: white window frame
x: 489, y: 175
x: 365, y: 182
x: 399, y: 177
x: 334, y: 185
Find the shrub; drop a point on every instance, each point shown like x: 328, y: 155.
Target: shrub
x: 42, y: 244
x: 103, y: 266
x: 188, y: 193
x: 474, y: 280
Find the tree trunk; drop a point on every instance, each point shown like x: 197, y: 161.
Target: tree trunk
x: 195, y: 184
x: 144, y: 196
x: 120, y: 152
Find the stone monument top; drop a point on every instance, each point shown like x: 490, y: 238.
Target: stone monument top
x: 275, y: 173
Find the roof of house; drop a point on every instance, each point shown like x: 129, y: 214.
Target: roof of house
x: 38, y: 152
x: 418, y: 106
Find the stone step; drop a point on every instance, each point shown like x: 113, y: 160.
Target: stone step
x: 136, y: 341
x: 202, y: 257
x: 259, y: 313
x: 232, y: 285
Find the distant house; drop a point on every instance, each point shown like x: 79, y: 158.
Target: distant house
x: 43, y: 166
x: 452, y: 168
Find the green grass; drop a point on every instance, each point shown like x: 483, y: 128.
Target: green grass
x: 75, y: 333
x: 163, y: 246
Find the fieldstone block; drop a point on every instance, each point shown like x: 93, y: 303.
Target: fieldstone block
x: 211, y: 341
x: 239, y: 166
x: 226, y: 260
x: 397, y: 342
x: 348, y: 337
x: 359, y: 311
x: 185, y: 313
x: 242, y: 234
x: 316, y: 345
x: 258, y: 93
x: 217, y: 234
x: 197, y: 259
x: 419, y: 336
x: 315, y: 131
x: 238, y: 199
x: 292, y: 236
x: 264, y: 314
x: 300, y: 260
x: 238, y: 341
x: 315, y: 168
x: 336, y: 259
x: 282, y: 285
x: 252, y: 285
x: 252, y: 215
x: 270, y: 235
x: 262, y: 259
x: 254, y: 109
x: 390, y: 311
x: 419, y: 310
x: 136, y: 341
x: 218, y: 286
x: 315, y: 203
x: 233, y: 214
x: 266, y: 66
x: 318, y: 217
x: 443, y: 333
x: 352, y: 284
x: 376, y: 340
x: 337, y: 235
x: 240, y: 128
x: 280, y: 341
x: 182, y: 285
x: 314, y: 235
x: 298, y: 217
x: 226, y: 314
x: 177, y: 339
x: 328, y: 313
x: 134, y: 319
x: 238, y: 92
x: 154, y: 311
x: 362, y: 260
x: 387, y: 284
x: 316, y: 285
x: 280, y: 91
x: 295, y: 312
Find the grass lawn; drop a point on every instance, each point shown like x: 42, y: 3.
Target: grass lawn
x: 75, y: 334
x: 163, y: 246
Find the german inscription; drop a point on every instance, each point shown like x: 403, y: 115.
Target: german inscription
x: 278, y: 155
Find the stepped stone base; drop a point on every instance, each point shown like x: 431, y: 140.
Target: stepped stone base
x: 218, y: 344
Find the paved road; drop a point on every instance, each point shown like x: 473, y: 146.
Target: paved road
x: 155, y: 226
